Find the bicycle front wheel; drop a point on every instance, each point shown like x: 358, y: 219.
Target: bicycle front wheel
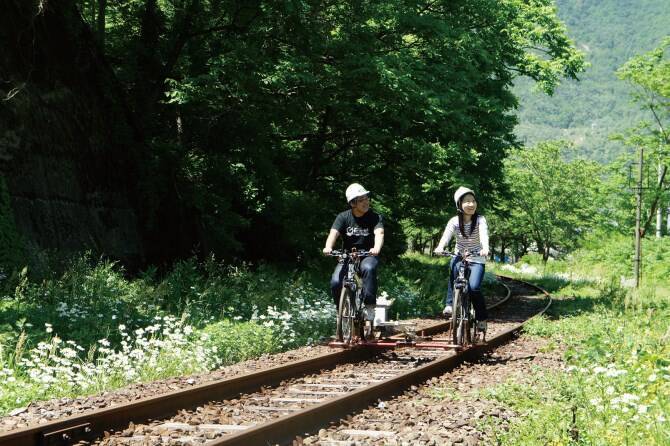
x: 468, y: 319
x: 345, y: 317
x: 456, y: 318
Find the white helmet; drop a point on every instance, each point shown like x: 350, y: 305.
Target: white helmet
x: 459, y: 194
x: 355, y: 190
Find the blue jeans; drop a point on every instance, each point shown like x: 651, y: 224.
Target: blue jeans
x: 475, y: 283
x: 368, y: 271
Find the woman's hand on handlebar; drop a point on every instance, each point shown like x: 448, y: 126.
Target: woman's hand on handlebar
x: 439, y: 251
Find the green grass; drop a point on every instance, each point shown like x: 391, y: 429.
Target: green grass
x: 90, y: 328
x: 615, y: 388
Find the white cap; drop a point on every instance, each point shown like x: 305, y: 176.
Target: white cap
x: 355, y: 190
x: 460, y: 192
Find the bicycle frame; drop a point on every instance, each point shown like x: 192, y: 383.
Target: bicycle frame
x: 463, y: 316
x: 352, y: 278
x: 350, y: 314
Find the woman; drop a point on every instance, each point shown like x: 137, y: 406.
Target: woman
x: 472, y: 237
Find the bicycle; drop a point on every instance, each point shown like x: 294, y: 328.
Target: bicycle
x: 464, y: 329
x: 351, y: 319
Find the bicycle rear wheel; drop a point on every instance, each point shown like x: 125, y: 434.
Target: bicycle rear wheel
x: 361, y: 326
x: 345, y: 317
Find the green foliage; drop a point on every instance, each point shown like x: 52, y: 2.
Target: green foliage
x: 90, y: 298
x: 553, y: 201
x: 92, y: 329
x: 239, y: 341
x: 604, y: 258
x: 587, y: 112
x: 650, y: 73
x: 12, y: 253
x: 649, y: 76
x: 86, y: 301
x: 543, y: 423
x: 612, y: 254
x: 259, y: 115
x: 615, y: 388
x: 56, y: 368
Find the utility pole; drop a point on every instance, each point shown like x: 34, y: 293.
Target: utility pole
x: 659, y: 208
x: 638, y: 218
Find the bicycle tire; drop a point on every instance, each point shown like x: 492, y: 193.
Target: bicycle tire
x: 455, y: 315
x: 345, y: 317
x: 468, y: 320
x: 472, y: 324
x: 462, y: 323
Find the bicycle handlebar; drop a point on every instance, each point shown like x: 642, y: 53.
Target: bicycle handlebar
x: 465, y: 255
x: 345, y: 254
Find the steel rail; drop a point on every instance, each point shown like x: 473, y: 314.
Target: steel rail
x: 283, y: 430
x: 90, y: 425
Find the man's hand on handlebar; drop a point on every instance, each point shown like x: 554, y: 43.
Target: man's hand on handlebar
x: 375, y: 251
x: 350, y: 254
x: 327, y: 250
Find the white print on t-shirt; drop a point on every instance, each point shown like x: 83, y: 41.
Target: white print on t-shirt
x: 355, y: 231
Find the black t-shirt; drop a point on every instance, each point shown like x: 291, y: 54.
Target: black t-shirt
x: 358, y: 232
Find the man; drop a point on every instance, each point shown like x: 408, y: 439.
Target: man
x: 360, y: 228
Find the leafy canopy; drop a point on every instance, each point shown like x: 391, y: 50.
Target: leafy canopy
x: 257, y: 114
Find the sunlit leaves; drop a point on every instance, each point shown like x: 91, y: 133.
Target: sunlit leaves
x: 408, y: 97
x: 556, y: 200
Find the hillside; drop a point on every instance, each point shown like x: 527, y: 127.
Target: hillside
x: 609, y: 32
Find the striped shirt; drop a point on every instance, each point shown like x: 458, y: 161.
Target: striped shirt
x: 475, y: 242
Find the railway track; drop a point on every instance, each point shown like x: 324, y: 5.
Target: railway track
x: 284, y: 402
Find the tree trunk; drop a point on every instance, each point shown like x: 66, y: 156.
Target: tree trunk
x: 100, y: 23
x: 503, y: 248
x: 545, y: 254
x: 315, y: 146
x: 148, y: 59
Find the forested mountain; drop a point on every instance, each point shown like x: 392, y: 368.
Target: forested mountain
x: 609, y: 32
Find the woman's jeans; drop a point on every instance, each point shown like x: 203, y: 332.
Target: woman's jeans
x: 368, y: 271
x: 475, y: 282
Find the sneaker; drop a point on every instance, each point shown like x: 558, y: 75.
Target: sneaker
x: 481, y: 326
x: 369, y: 312
x: 447, y: 310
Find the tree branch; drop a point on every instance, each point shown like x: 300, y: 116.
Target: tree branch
x: 660, y: 124
x: 657, y: 197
